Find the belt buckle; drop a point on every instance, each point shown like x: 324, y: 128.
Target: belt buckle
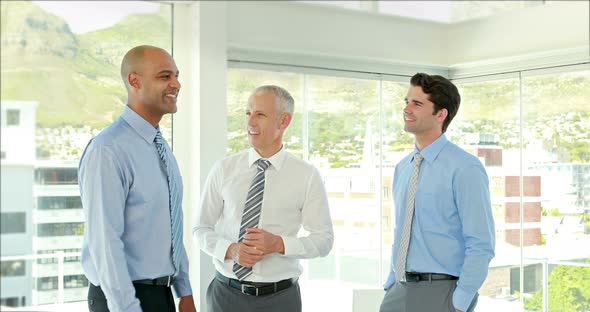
x: 246, y: 286
x: 409, y: 277
x: 169, y: 279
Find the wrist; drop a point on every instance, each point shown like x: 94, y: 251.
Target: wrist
x: 279, y: 245
x: 231, y: 252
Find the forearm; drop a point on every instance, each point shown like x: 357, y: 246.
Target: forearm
x: 182, y: 285
x: 307, y: 247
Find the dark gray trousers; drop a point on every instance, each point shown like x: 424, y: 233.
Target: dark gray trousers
x: 422, y: 296
x: 151, y: 298
x: 222, y: 298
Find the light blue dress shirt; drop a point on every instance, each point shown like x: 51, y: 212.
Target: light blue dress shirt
x: 453, y: 228
x: 124, y: 190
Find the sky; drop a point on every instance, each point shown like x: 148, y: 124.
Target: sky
x: 87, y: 16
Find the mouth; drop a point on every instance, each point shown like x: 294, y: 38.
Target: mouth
x: 408, y: 119
x: 252, y: 132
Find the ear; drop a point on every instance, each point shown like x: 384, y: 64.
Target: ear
x: 285, y: 120
x: 442, y: 115
x: 134, y: 81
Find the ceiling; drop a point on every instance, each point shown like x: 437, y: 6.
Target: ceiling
x: 448, y: 12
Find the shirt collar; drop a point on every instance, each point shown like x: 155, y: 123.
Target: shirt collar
x: 430, y: 152
x: 140, y: 125
x: 277, y: 160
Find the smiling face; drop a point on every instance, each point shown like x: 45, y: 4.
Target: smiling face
x: 159, y: 83
x: 420, y: 119
x: 265, y: 123
x: 151, y: 77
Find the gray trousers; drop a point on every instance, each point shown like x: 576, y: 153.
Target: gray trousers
x: 421, y: 297
x: 222, y: 298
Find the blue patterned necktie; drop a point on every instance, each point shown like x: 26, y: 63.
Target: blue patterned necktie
x: 251, y: 214
x: 404, y: 245
x: 174, y: 202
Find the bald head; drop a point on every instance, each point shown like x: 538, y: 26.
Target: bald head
x: 135, y: 61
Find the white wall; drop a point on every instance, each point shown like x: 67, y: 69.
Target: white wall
x: 200, y: 125
x: 267, y: 31
x: 532, y: 30
x: 311, y: 29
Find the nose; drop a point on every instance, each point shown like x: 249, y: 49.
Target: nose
x: 175, y: 83
x: 249, y: 121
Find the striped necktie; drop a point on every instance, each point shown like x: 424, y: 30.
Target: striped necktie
x: 251, y: 214
x: 400, y: 267
x: 174, y: 202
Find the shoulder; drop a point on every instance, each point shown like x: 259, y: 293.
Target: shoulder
x: 300, y: 167
x: 109, y: 138
x: 230, y: 163
x: 462, y: 163
x: 458, y: 157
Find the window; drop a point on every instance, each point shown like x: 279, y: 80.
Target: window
x: 56, y: 176
x: 70, y: 281
x: 556, y: 118
x: 345, y: 122
x: 12, y: 302
x: 12, y: 117
x: 74, y: 49
x: 46, y: 283
x: 76, y: 258
x: 75, y: 281
x: 338, y: 126
x: 60, y: 229
x: 13, y: 268
x: 13, y: 222
x: 59, y: 202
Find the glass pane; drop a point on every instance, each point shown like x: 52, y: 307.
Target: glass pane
x: 344, y: 143
x: 397, y: 144
x: 61, y: 85
x: 557, y: 152
x: 487, y: 125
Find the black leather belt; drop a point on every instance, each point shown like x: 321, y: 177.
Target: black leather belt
x: 160, y: 281
x: 253, y: 288
x: 421, y: 277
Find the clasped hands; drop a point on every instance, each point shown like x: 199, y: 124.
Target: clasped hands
x: 256, y: 244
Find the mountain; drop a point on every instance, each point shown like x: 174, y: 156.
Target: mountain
x: 74, y: 78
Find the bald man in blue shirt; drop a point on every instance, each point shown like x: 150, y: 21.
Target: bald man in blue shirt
x: 444, y: 233
x: 131, y: 193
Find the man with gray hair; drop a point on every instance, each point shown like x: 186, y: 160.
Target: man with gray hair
x: 253, y: 205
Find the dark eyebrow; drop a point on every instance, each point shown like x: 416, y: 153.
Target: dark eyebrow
x: 415, y: 101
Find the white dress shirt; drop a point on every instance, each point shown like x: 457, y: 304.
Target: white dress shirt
x: 294, y: 196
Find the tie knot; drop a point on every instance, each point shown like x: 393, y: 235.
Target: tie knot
x: 418, y: 158
x: 263, y: 164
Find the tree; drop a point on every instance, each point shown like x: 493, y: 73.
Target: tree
x: 569, y: 290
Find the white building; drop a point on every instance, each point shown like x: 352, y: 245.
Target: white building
x: 18, y: 156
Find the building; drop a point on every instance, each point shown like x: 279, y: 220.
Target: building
x: 59, y: 222
x: 505, y: 193
x: 17, y: 162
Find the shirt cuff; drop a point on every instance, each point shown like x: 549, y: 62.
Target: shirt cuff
x: 293, y: 246
x: 221, y: 249
x: 462, y: 299
x: 182, y: 287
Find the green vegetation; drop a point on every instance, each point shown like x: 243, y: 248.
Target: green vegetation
x: 569, y: 290
x: 74, y: 78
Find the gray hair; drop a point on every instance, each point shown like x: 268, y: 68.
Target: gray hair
x: 284, y: 100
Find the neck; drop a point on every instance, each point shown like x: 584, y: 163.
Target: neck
x: 268, y: 152
x: 140, y: 109
x: 425, y: 139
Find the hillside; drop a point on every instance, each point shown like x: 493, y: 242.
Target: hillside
x: 74, y: 78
